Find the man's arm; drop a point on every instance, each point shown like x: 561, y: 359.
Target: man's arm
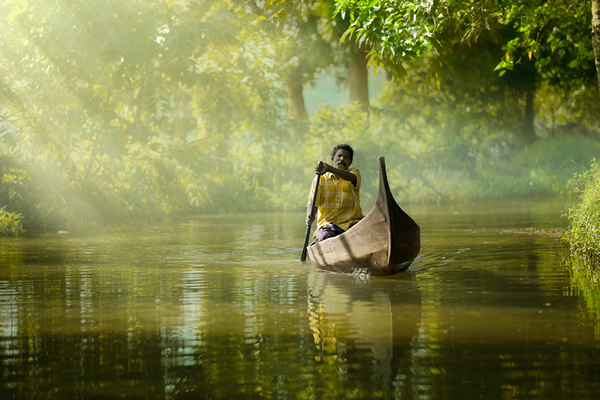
x: 346, y: 175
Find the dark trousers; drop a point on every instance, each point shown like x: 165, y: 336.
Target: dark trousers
x: 328, y: 231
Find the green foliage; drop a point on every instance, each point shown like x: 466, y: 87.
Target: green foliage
x: 436, y: 155
x: 10, y: 223
x: 113, y: 109
x: 25, y: 195
x: 553, y: 36
x: 544, y: 168
x: 394, y: 31
x: 583, y: 234
x: 128, y: 108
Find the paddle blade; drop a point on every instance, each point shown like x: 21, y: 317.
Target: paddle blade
x: 312, y: 207
x: 305, y: 247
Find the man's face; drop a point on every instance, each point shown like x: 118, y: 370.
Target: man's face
x: 341, y: 159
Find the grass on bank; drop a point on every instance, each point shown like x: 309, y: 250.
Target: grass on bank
x: 583, y: 234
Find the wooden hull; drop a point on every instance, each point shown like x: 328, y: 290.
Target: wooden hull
x: 384, y: 242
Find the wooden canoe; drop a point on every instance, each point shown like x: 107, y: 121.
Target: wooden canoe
x: 384, y: 242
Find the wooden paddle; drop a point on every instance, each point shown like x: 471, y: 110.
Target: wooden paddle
x: 312, y: 210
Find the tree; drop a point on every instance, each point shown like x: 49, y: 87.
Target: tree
x: 544, y: 41
x: 596, y: 36
x: 307, y: 37
x: 291, y: 30
x: 128, y: 107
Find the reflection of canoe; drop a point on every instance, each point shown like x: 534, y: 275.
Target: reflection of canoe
x: 385, y: 242
x: 369, y: 327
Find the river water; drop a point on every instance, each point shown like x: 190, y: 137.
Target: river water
x: 219, y: 307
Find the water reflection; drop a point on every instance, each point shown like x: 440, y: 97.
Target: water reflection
x: 220, y: 308
x: 585, y: 278
x: 364, y: 330
x: 499, y: 320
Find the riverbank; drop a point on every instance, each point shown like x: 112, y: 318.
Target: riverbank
x: 583, y: 234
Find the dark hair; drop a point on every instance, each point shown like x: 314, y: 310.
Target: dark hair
x: 345, y: 147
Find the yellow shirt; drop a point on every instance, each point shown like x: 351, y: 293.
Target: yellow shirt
x: 337, y: 201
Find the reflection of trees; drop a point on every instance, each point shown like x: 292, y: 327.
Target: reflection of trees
x: 585, y: 278
x: 498, y: 323
x: 113, y: 318
x: 158, y: 315
x: 79, y: 320
x: 70, y: 329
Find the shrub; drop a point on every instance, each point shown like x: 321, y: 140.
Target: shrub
x: 583, y: 234
x: 10, y: 223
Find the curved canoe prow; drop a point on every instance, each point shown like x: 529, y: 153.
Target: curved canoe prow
x: 384, y: 242
x: 404, y: 232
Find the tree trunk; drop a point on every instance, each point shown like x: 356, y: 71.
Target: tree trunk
x: 596, y: 36
x: 295, y: 101
x: 358, y: 77
x: 527, y: 75
x: 295, y: 96
x: 528, y: 123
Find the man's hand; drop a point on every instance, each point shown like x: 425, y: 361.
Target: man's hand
x: 322, y: 167
x: 309, y: 219
x: 310, y: 216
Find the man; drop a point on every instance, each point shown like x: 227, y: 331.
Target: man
x: 337, y: 202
